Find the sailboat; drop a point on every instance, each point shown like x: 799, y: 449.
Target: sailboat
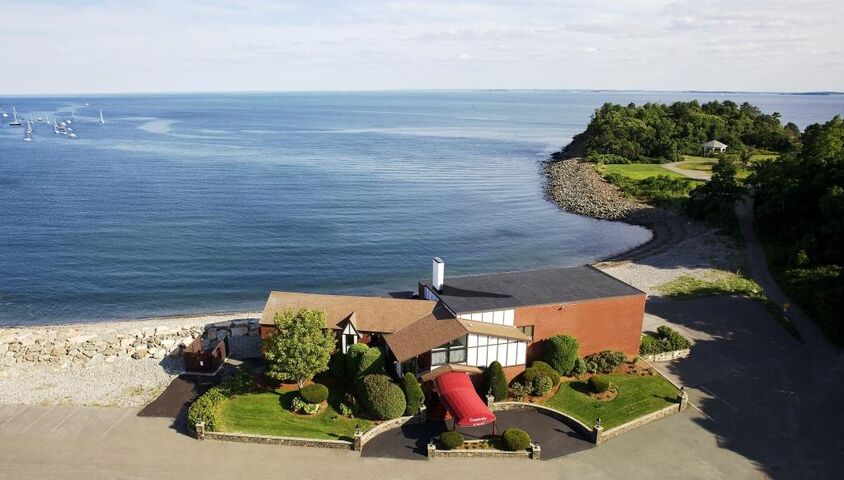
x: 27, y: 134
x: 16, y: 122
x: 55, y: 127
x: 102, y: 120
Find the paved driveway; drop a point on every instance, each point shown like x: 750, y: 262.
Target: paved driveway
x: 410, y: 441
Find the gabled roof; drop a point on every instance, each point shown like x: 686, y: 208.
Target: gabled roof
x: 498, y: 291
x: 435, y: 330
x: 368, y: 314
x: 714, y: 144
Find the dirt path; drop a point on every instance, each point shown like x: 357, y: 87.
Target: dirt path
x: 693, y: 174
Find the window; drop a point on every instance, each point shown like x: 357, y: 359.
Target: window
x: 527, y: 330
x: 453, y: 352
x: 348, y: 340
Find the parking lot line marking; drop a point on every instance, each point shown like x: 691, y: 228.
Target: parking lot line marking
x: 15, y: 415
x: 105, y: 432
x: 64, y: 419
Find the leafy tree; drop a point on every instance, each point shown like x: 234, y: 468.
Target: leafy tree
x: 715, y: 200
x: 495, y: 381
x: 300, y: 348
x: 413, y: 393
x: 561, y: 351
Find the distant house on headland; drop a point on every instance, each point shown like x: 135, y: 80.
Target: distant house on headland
x: 467, y: 322
x: 713, y: 147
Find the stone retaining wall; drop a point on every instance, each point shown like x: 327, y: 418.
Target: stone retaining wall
x: 534, y: 452
x: 364, y: 438
x: 667, y: 356
x: 644, y: 420
x: 570, y: 421
x: 201, y: 434
x: 92, y: 345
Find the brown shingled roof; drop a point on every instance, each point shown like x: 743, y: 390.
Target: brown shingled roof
x: 372, y: 314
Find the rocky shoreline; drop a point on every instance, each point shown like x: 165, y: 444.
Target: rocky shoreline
x: 576, y: 187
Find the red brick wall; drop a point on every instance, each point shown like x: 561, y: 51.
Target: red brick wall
x: 604, y: 324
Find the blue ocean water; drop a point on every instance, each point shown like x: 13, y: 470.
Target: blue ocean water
x: 200, y: 203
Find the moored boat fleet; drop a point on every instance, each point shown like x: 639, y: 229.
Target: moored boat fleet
x: 60, y: 127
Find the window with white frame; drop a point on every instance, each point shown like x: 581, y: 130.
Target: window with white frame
x: 484, y: 349
x: 453, y: 352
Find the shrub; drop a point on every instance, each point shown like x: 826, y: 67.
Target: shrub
x: 345, y: 410
x: 579, y: 367
x: 337, y: 365
x: 520, y: 390
x: 206, y: 409
x: 605, y: 361
x: 370, y: 362
x: 412, y: 393
x: 451, y: 440
x: 540, y: 368
x: 382, y: 398
x: 591, y: 366
x: 311, y: 408
x: 516, y: 439
x: 297, y: 404
x: 353, y: 356
x: 672, y: 338
x: 561, y: 351
x: 238, y: 384
x: 542, y: 385
x: 607, y: 158
x: 650, y: 345
x: 599, y: 384
x: 351, y: 401
x: 495, y: 381
x: 314, y: 393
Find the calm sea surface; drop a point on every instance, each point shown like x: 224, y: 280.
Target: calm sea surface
x: 200, y: 203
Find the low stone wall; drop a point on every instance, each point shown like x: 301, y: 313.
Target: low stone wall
x: 644, y: 420
x: 364, y: 438
x: 570, y: 421
x: 667, y: 356
x: 201, y: 434
x: 534, y: 452
x: 93, y: 344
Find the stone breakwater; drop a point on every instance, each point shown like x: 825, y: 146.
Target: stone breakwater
x: 576, y: 187
x: 91, y: 346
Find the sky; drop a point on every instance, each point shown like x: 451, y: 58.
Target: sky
x: 114, y: 46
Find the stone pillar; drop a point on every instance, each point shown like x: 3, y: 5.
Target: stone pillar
x: 536, y: 451
x: 683, y: 397
x: 358, y: 441
x: 598, y: 432
x: 432, y: 451
x: 200, y: 430
x: 490, y: 399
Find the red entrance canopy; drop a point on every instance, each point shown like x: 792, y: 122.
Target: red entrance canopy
x: 459, y: 397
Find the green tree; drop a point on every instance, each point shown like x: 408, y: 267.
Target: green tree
x: 495, y: 381
x: 561, y: 351
x: 413, y: 393
x: 353, y: 357
x: 300, y: 348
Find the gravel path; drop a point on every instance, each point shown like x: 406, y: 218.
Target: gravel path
x: 693, y: 174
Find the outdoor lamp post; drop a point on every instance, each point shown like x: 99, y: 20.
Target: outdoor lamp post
x: 357, y: 429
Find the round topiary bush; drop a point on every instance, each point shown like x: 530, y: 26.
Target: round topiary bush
x: 314, y: 393
x: 538, y: 368
x: 561, y: 351
x: 599, y: 384
x: 516, y: 439
x: 382, y: 398
x: 542, y: 385
x: 372, y: 361
x: 451, y: 440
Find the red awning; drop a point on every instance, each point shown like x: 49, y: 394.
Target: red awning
x: 460, y: 399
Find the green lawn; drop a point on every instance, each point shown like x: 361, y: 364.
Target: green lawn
x: 716, y: 282
x: 639, y: 171
x: 637, y: 396
x: 268, y: 413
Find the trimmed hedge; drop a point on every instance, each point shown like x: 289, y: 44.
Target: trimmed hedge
x: 314, y: 393
x: 516, y: 439
x: 382, y: 398
x: 538, y: 368
x: 541, y: 385
x: 206, y: 409
x: 353, y: 356
x: 337, y: 365
x: 412, y: 393
x: 561, y: 351
x: 667, y: 339
x: 371, y: 362
x: 495, y: 381
x: 599, y: 384
x: 451, y: 440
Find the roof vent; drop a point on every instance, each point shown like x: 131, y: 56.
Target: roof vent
x: 438, y: 274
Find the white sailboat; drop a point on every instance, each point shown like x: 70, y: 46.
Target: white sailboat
x: 102, y: 120
x: 27, y: 134
x: 15, y: 121
x: 55, y: 127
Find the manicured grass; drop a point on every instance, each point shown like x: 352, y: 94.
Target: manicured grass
x: 717, y: 282
x: 268, y: 413
x: 637, y: 396
x: 705, y: 164
x: 639, y: 171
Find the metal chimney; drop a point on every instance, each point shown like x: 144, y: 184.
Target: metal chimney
x: 438, y: 275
